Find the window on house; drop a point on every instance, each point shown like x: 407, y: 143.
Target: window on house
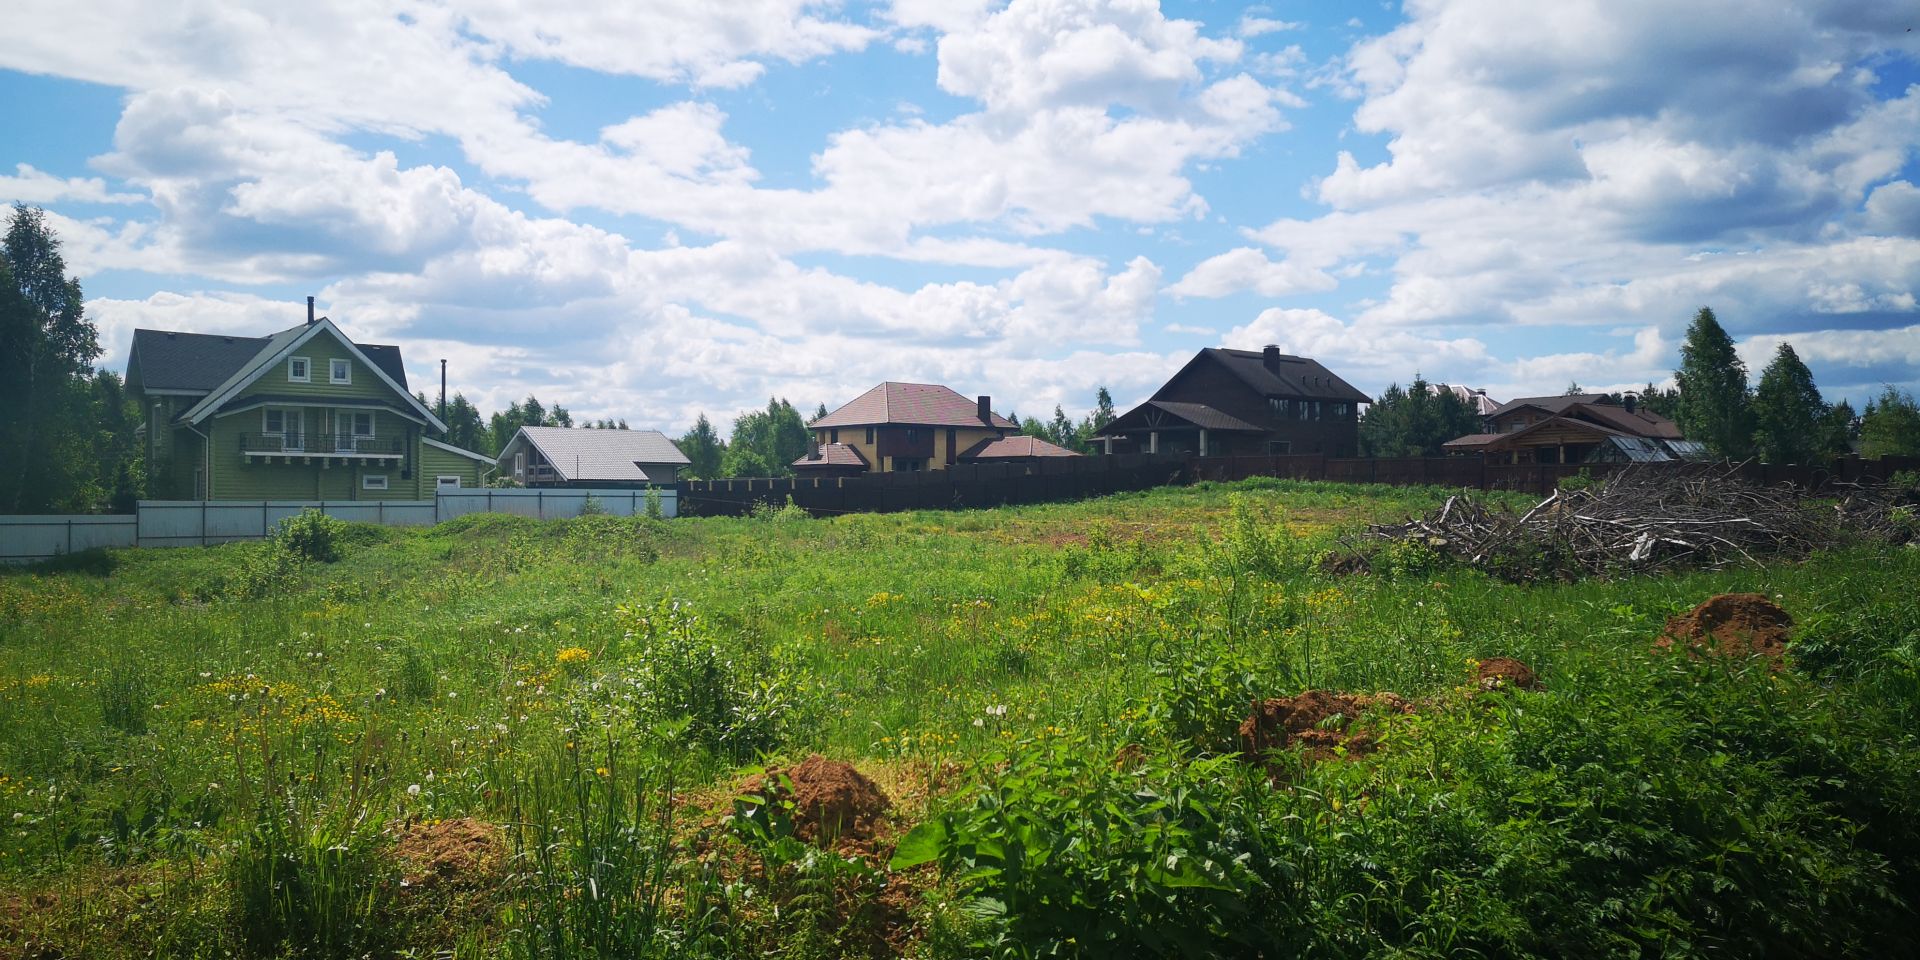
x: 299, y: 370
x: 446, y: 483
x: 1339, y: 410
x: 833, y: 436
x: 1278, y: 405
x: 912, y: 435
x: 373, y: 481
x: 1305, y: 409
x: 869, y: 435
x: 273, y: 421
x: 363, y: 424
x: 339, y: 371
x: 1316, y: 412
x: 1279, y: 448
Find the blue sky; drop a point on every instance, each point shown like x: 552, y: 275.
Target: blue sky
x: 652, y: 210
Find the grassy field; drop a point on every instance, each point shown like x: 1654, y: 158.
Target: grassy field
x: 503, y: 737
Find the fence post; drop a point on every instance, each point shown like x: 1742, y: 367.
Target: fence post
x: 69, y: 534
x: 203, y: 523
x: 540, y: 503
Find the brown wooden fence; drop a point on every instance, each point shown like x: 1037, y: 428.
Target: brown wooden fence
x: 1074, y: 478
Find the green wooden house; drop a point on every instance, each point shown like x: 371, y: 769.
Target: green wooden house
x: 305, y: 414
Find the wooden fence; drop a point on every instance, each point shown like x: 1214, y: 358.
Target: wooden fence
x: 958, y: 487
x: 1073, y: 478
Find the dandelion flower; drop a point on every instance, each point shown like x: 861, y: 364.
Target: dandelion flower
x: 413, y: 790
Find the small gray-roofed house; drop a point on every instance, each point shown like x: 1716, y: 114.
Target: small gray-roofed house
x: 573, y: 457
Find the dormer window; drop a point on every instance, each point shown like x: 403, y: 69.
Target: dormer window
x: 299, y: 370
x: 339, y: 371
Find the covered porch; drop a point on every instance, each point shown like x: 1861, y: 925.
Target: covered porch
x: 1161, y: 426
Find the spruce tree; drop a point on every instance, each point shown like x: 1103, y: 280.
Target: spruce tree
x: 1787, y: 411
x: 1838, y: 429
x: 703, y: 448
x: 1713, y: 389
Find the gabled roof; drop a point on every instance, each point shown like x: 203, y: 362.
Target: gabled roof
x: 1291, y: 376
x: 1557, y: 404
x: 1598, y: 408
x: 1015, y: 448
x: 1195, y: 414
x: 578, y: 454
x: 834, y: 455
x: 461, y: 451
x: 1475, y: 399
x: 1495, y: 439
x: 916, y: 404
x: 199, y: 362
x: 277, y: 349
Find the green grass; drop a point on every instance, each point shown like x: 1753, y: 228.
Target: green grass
x: 210, y: 752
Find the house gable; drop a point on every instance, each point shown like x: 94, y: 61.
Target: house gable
x: 320, y: 342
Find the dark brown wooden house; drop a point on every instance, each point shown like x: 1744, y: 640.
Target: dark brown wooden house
x: 1241, y: 403
x: 1575, y: 428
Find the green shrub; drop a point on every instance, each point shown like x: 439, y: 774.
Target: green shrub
x: 310, y: 535
x: 654, y: 509
x: 738, y: 704
x: 592, y: 507
x: 789, y: 512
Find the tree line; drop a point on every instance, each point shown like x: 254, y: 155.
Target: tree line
x: 1781, y: 419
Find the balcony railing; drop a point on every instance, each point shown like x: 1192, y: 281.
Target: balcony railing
x: 320, y: 444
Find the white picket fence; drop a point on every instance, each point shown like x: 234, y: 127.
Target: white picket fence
x: 195, y: 523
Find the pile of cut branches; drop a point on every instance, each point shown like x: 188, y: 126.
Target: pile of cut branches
x: 1888, y: 512
x: 1639, y: 520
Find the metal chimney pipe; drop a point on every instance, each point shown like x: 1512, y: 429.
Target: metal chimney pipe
x: 443, y: 390
x: 309, y: 311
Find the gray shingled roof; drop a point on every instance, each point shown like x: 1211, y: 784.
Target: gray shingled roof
x: 202, y: 361
x: 920, y: 404
x: 609, y: 455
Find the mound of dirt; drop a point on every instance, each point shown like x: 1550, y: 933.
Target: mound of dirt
x: 1731, y: 625
x: 1505, y: 673
x: 1316, y: 721
x: 454, y: 853
x: 830, y: 798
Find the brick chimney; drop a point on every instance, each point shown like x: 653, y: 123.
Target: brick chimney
x: 1270, y: 357
x: 985, y: 410
x: 1630, y: 401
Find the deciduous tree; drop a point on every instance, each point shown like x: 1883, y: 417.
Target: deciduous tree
x: 1890, y: 426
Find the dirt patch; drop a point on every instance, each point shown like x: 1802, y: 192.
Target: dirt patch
x: 831, y: 800
x: 1731, y: 625
x: 457, y: 853
x: 1504, y: 673
x: 1319, y: 722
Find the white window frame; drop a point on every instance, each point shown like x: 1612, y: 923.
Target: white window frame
x: 306, y: 365
x: 446, y: 482
x: 296, y: 415
x: 344, y: 368
x: 373, y: 481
